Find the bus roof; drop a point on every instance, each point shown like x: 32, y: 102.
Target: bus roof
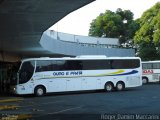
x: 87, y: 57
x: 151, y: 61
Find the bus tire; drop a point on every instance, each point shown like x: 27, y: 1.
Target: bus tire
x: 120, y: 86
x: 144, y: 80
x: 39, y: 91
x: 108, y: 86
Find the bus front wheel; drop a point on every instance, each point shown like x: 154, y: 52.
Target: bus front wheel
x: 39, y: 91
x: 108, y: 87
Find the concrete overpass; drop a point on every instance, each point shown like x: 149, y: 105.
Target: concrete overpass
x: 22, y: 22
x: 71, y: 45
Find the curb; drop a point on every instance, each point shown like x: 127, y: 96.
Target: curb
x: 11, y: 100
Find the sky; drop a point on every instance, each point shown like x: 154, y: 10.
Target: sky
x: 78, y: 22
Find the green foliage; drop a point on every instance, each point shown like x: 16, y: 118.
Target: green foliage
x: 149, y: 26
x: 147, y: 51
x: 119, y: 24
x: 106, y: 25
x: 149, y: 32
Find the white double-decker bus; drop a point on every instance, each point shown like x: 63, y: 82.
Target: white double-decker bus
x: 151, y: 71
x: 45, y: 75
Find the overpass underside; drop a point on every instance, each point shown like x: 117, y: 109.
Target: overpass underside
x: 22, y: 23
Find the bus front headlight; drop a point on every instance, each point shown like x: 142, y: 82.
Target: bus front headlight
x: 14, y: 89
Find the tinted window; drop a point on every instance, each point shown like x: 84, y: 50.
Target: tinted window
x: 147, y: 65
x: 125, y: 64
x: 96, y: 64
x: 156, y: 65
x: 48, y: 65
x: 73, y: 65
x: 151, y: 65
x: 60, y: 65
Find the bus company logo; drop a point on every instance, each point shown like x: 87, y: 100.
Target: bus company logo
x: 73, y: 73
x: 148, y: 71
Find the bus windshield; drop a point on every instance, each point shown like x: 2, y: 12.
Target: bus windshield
x: 26, y: 71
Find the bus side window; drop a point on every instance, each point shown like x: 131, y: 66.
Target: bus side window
x: 59, y: 65
x: 124, y: 64
x: 73, y: 65
x: 156, y: 65
x: 147, y: 65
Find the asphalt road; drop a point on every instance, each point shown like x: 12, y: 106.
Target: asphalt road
x: 136, y: 103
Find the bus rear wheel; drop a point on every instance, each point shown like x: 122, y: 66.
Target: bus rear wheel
x: 39, y: 91
x: 108, y: 87
x: 120, y: 86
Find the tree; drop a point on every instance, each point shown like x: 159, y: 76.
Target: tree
x: 106, y: 25
x: 149, y: 32
x: 119, y: 24
x: 145, y: 49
